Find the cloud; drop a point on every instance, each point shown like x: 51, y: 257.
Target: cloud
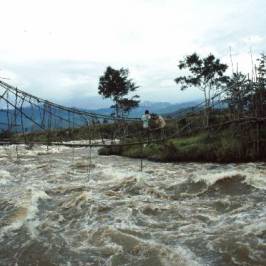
x: 253, y: 39
x: 58, y: 49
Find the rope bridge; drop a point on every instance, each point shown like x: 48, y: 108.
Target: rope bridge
x: 24, y: 116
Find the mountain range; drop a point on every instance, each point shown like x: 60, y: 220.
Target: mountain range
x: 63, y: 119
x: 163, y: 108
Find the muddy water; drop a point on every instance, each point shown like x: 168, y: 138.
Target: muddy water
x: 57, y: 208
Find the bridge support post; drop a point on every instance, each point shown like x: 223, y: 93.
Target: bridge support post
x: 141, y: 159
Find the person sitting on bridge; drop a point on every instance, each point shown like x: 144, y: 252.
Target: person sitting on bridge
x: 159, y: 123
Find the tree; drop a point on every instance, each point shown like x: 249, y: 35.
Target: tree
x: 238, y: 91
x: 126, y: 104
x: 115, y: 84
x: 207, y: 74
x: 259, y: 97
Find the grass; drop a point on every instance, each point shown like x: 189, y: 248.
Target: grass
x: 223, y: 147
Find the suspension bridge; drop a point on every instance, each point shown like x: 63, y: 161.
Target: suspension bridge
x: 24, y: 116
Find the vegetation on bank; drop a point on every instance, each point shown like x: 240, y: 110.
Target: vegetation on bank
x: 185, y: 139
x: 200, y: 147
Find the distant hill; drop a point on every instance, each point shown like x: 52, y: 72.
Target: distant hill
x: 163, y: 108
x: 61, y: 120
x: 197, y: 106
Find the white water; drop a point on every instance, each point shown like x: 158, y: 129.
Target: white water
x: 57, y: 209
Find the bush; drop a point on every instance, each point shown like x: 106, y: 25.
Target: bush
x: 110, y: 150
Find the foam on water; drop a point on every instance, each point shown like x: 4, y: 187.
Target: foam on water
x: 26, y: 214
x: 211, y: 178
x: 5, y: 177
x: 113, y: 214
x: 4, y: 174
x: 258, y: 228
x: 252, y: 177
x: 257, y: 180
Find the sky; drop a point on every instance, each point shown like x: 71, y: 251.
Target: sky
x: 57, y: 49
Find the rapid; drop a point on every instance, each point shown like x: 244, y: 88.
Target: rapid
x: 58, y: 207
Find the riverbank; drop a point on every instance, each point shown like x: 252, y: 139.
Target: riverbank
x: 222, y: 147
x: 228, y: 142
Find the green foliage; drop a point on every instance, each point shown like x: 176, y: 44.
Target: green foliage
x: 259, y: 96
x: 262, y: 71
x: 115, y: 84
x: 223, y: 146
x: 207, y: 74
x: 208, y: 71
x: 126, y: 104
x: 112, y: 150
x: 238, y: 92
x: 248, y: 96
x: 135, y: 151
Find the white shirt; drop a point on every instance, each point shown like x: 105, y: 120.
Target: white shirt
x: 145, y: 119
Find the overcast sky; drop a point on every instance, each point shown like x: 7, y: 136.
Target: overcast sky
x: 58, y: 49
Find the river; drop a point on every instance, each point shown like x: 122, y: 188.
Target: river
x: 59, y: 208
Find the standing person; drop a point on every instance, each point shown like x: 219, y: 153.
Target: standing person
x: 146, y: 121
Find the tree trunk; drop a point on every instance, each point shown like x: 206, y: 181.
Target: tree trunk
x: 205, y: 123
